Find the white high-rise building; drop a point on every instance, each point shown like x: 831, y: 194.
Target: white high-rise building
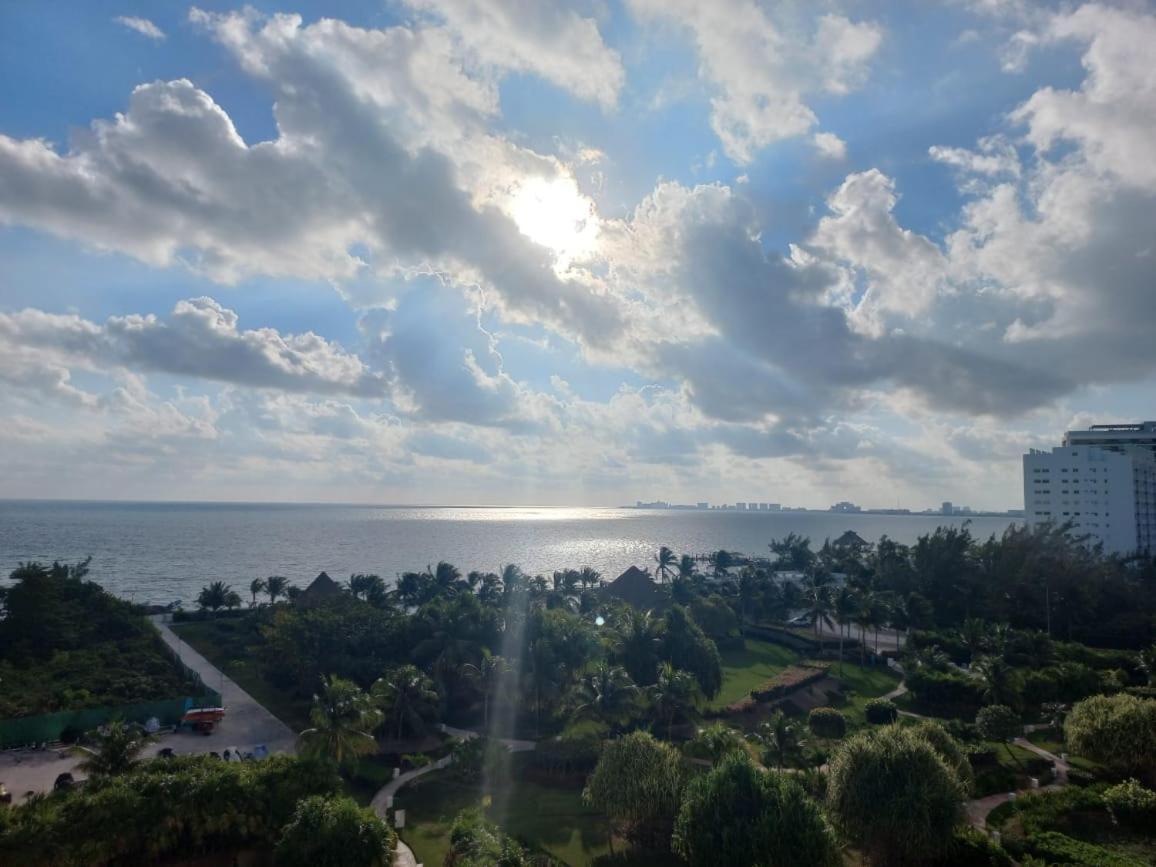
x: 1102, y: 481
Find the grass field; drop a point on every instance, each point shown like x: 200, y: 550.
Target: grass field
x: 1045, y: 740
x: 553, y: 819
x: 224, y: 643
x: 862, y: 683
x: 746, y: 669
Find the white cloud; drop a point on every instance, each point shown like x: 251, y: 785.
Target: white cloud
x: 830, y: 145
x: 763, y: 70
x: 539, y: 36
x: 142, y: 26
x: 994, y: 156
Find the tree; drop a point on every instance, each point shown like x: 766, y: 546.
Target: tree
x: 721, y: 563
x: 998, y: 722
x: 716, y: 741
x: 684, y: 645
x: 368, y: 587
x: 335, y: 832
x: 638, y: 784
x: 487, y: 676
x: 474, y: 842
x: 256, y: 588
x: 606, y: 694
x: 1116, y: 730
x: 635, y: 644
x: 113, y: 750
x: 781, y: 739
x: 589, y: 577
x: 893, y: 797
x: 817, y: 595
x: 233, y: 600
x: 675, y: 694
x: 793, y: 553
x: 1001, y: 683
x: 406, y: 697
x: 687, y: 567
x: 844, y: 607
x: 667, y: 563
x: 214, y: 596
x: 738, y: 814
x: 826, y: 722
x: 1147, y: 662
x: 276, y: 586
x: 342, y: 718
x: 948, y: 748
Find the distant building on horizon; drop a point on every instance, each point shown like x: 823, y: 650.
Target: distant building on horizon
x: 1102, y: 481
x: 845, y: 507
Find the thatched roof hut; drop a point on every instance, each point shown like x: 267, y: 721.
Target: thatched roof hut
x: 635, y: 587
x: 322, y: 589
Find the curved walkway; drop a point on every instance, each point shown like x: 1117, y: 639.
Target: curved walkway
x: 979, y: 809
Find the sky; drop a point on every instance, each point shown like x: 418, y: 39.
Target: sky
x: 534, y: 252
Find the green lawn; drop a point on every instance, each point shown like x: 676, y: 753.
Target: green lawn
x: 554, y: 819
x: 861, y: 684
x: 746, y: 669
x: 224, y: 643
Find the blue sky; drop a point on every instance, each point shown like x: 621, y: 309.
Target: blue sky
x: 502, y: 251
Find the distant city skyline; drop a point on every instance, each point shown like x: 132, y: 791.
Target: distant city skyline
x: 569, y: 253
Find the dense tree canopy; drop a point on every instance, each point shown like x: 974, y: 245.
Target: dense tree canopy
x: 335, y: 832
x: 892, y: 796
x: 739, y: 814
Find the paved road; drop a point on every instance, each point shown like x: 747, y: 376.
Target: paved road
x: 246, y: 724
x: 889, y: 639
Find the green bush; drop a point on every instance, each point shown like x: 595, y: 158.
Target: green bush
x: 1118, y: 731
x: 335, y: 832
x: 970, y: 847
x: 881, y: 711
x: 1132, y: 804
x: 949, y: 750
x: 826, y: 722
x: 1058, y: 848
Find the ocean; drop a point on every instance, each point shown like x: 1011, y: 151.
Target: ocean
x: 163, y: 552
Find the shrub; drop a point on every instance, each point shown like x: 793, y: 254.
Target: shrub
x: 1118, y: 731
x: 737, y: 814
x: 945, y: 690
x: 1061, y: 849
x: 474, y: 842
x: 1132, y: 804
x: 881, y: 711
x: 335, y: 832
x: 970, y: 847
x: 893, y: 797
x: 949, y: 750
x: 998, y: 722
x: 789, y: 680
x: 826, y: 722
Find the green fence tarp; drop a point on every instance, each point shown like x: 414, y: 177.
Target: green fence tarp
x: 52, y: 726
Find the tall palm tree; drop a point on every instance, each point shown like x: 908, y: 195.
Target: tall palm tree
x: 276, y: 585
x: 606, y: 694
x: 675, y: 694
x: 667, y: 563
x: 545, y: 674
x: 687, y: 567
x: 214, y: 595
x: 406, y: 695
x: 446, y: 578
x: 844, y: 608
x: 113, y: 751
x: 256, y: 587
x: 342, y: 718
x: 487, y: 676
x: 817, y: 597
x: 863, y: 619
x: 363, y: 586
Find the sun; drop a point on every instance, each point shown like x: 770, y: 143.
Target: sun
x: 554, y: 213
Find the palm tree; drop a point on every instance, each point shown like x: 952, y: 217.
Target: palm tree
x: 544, y: 673
x: 487, y: 676
x: 722, y: 562
x: 781, y: 738
x: 114, y: 750
x: 862, y: 619
x: 666, y: 560
x: 589, y: 576
x: 446, y: 578
x: 214, y: 596
x: 750, y: 591
x: 342, y: 718
x: 275, y: 586
x: 607, y: 694
x: 233, y: 600
x: 256, y: 587
x: 999, y: 681
x: 675, y: 694
x: 635, y: 644
x: 817, y: 596
x: 368, y: 587
x: 687, y: 567
x: 407, y: 696
x: 844, y: 608
x: 973, y: 633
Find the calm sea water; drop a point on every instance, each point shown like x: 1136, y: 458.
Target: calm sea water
x: 161, y: 552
